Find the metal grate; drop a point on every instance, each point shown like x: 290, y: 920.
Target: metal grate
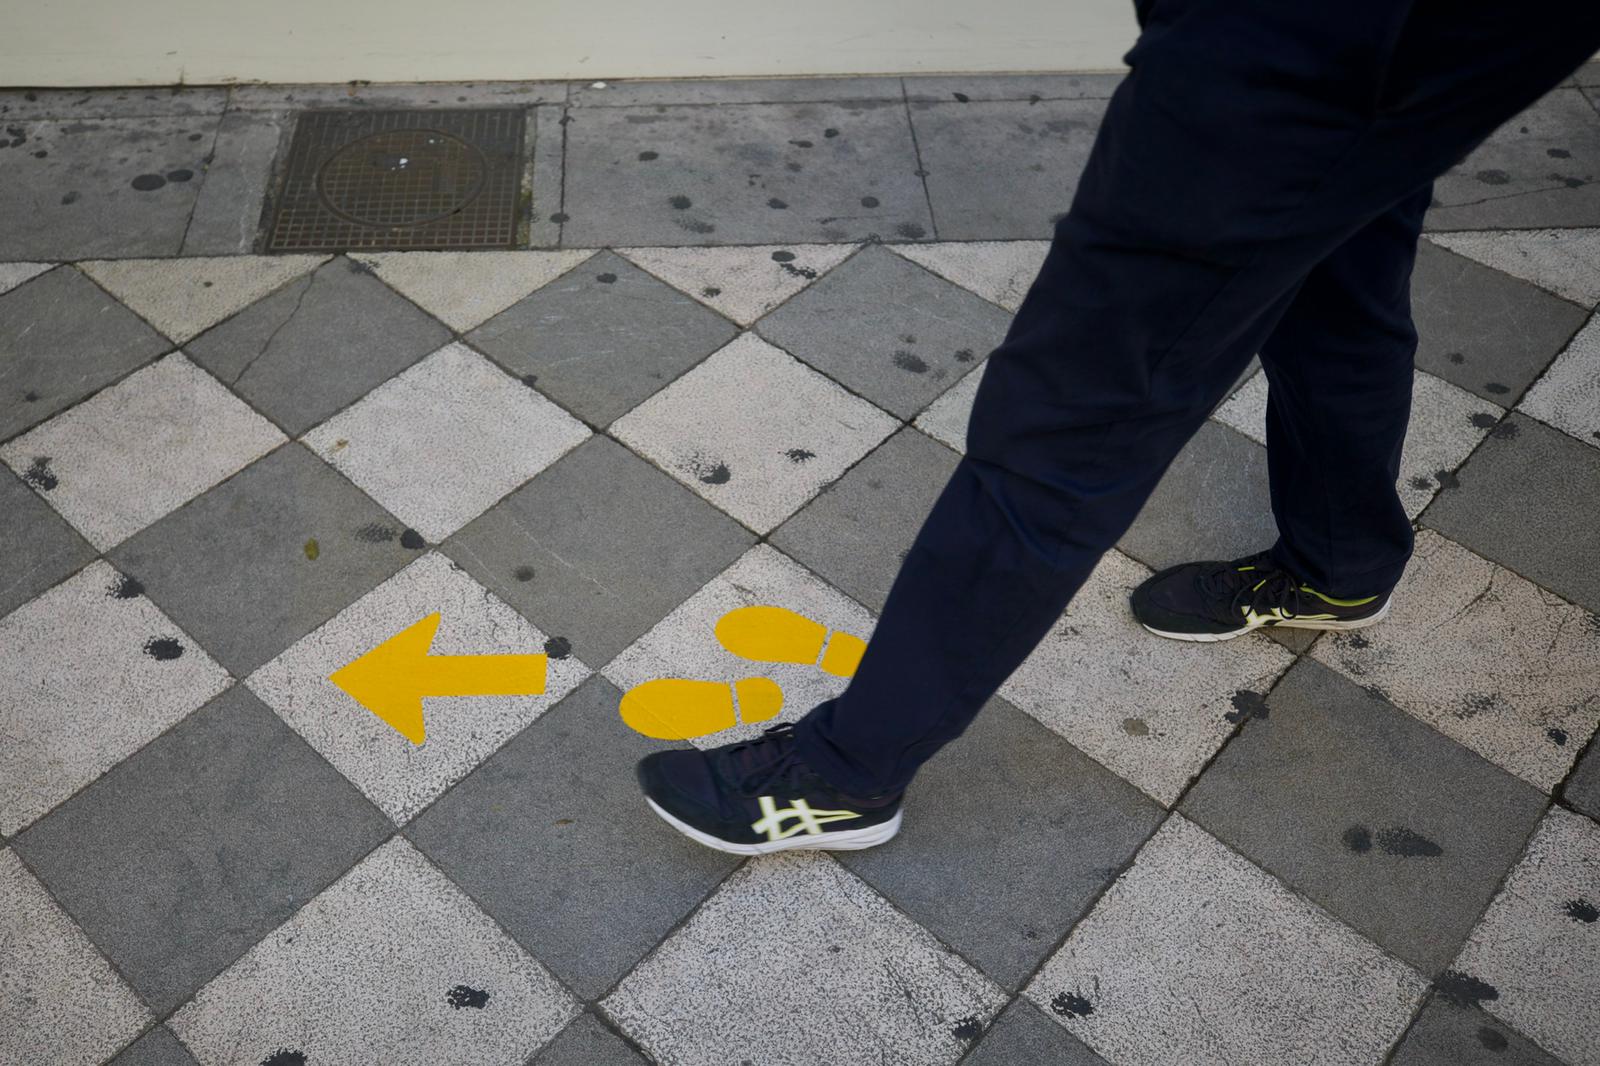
x: 399, y: 180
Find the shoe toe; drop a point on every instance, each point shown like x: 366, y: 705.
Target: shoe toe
x: 1165, y: 600
x: 680, y: 781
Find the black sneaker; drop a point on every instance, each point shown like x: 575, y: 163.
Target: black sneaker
x: 1218, y: 600
x: 757, y: 797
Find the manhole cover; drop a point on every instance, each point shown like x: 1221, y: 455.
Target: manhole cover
x: 400, y: 179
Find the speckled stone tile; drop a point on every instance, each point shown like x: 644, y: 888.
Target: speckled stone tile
x: 317, y: 343
x: 236, y: 182
x: 440, y: 443
x: 826, y: 971
x: 1563, y: 261
x: 1483, y: 330
x: 1538, y: 947
x: 1568, y: 396
x: 1045, y: 145
x: 755, y: 431
x: 61, y: 339
x: 137, y: 450
x: 587, y: 1042
x: 1523, y: 500
x: 158, y: 1047
x: 743, y: 283
x: 1447, y: 422
x: 89, y: 187
x: 888, y: 329
x: 999, y: 271
x: 1023, y: 1035
x: 602, y: 337
x: 1217, y: 977
x: 466, y: 289
x: 60, y: 1002
x: 14, y: 274
x: 1398, y: 831
x: 390, y: 964
x: 1483, y: 656
x: 93, y: 671
x: 1453, y: 1034
x: 633, y: 92
x: 684, y: 643
x: 742, y: 174
x: 857, y: 532
x: 41, y: 548
x: 1537, y: 170
x: 1152, y: 710
x: 945, y: 420
x: 185, y: 297
x: 199, y: 844
x: 536, y: 833
x: 401, y: 777
x: 598, y: 548
x: 1031, y: 87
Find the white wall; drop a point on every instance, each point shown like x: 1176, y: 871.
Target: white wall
x: 199, y: 42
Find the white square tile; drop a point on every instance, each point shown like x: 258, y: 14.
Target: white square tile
x: 141, y: 448
x: 60, y: 1001
x: 742, y: 282
x: 1564, y: 261
x: 397, y: 775
x: 1485, y: 657
x: 946, y: 418
x: 684, y: 643
x: 1151, y: 709
x: 391, y: 964
x: 999, y: 271
x: 795, y: 960
x: 1447, y: 422
x: 185, y: 297
x: 755, y: 431
x: 466, y: 289
x: 1568, y: 395
x: 1538, y: 945
x: 88, y: 675
x: 440, y: 443
x: 1197, y: 956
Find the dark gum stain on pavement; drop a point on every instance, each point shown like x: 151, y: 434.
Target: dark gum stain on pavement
x: 1071, y: 1005
x: 1492, y: 1039
x: 967, y: 1029
x: 558, y: 647
x: 1581, y: 910
x: 466, y: 996
x: 125, y: 588
x: 163, y: 649
x: 39, y: 474
x: 285, y: 1057
x: 1247, y: 705
x: 1464, y: 990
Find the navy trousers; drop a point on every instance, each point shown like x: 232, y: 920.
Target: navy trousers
x: 1257, y: 186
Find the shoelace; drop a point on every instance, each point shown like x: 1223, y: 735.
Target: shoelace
x: 1278, y: 589
x: 755, y: 767
x: 1229, y: 579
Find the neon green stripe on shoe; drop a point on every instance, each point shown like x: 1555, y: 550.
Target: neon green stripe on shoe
x: 1336, y: 603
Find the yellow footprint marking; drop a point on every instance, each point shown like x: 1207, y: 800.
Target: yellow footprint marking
x: 677, y: 709
x: 779, y: 635
x: 674, y: 709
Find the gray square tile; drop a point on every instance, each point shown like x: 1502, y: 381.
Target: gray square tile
x: 111, y: 103
x: 1517, y: 180
x: 1524, y: 499
x: 858, y: 531
x: 742, y: 174
x: 1587, y: 75
x: 89, y: 187
x: 262, y: 559
x: 1582, y: 789
x: 158, y: 1047
x: 235, y: 183
x: 41, y: 548
x: 1024, y: 1037
x: 534, y: 840
x: 1447, y: 1034
x: 598, y: 548
x: 62, y: 338
x: 1000, y: 872
x: 1396, y: 829
x: 586, y: 1042
x: 633, y: 93
x: 602, y: 337
x: 943, y: 88
x: 317, y: 343
x: 1485, y: 331
x: 1563, y: 261
x: 188, y: 852
x: 1044, y: 146
x: 1568, y: 396
x: 888, y: 329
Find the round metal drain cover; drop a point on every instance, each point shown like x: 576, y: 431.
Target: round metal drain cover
x: 402, y: 178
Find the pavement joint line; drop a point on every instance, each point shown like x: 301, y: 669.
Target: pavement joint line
x: 916, y: 151
x: 205, y: 176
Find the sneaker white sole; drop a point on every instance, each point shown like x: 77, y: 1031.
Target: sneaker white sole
x: 839, y: 840
x: 1293, y: 623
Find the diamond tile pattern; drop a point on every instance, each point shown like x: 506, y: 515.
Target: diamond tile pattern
x: 734, y: 367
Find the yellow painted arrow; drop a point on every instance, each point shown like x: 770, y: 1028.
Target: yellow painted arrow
x: 392, y: 679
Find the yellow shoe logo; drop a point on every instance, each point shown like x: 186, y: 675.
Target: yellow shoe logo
x: 806, y: 819
x: 1278, y: 614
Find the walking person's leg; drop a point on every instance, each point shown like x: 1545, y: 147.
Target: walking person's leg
x: 1250, y: 141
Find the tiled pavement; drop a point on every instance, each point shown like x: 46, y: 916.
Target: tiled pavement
x: 733, y: 366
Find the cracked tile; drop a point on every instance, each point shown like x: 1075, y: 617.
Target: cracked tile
x: 999, y: 271
x: 1568, y: 396
x: 743, y: 283
x: 1151, y: 710
x: 466, y: 289
x: 1146, y: 980
x: 1563, y: 261
x: 1485, y: 657
x: 815, y: 943
x: 401, y: 777
x: 185, y: 297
